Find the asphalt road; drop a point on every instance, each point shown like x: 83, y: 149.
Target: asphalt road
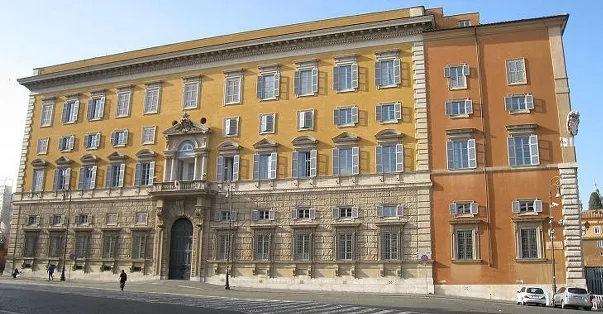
x: 24, y: 298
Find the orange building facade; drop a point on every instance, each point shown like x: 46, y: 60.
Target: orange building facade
x: 502, y: 159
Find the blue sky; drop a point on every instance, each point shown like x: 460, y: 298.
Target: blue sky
x: 39, y: 33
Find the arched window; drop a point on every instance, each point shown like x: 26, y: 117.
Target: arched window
x: 185, y: 149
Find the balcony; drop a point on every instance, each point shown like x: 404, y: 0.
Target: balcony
x: 180, y: 188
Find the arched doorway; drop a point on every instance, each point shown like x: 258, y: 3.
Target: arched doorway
x: 181, y: 249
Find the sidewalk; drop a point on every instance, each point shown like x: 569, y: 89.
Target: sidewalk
x: 178, y: 287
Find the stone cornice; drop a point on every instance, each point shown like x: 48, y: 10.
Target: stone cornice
x: 260, y: 46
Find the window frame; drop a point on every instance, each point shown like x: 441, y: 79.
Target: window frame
x: 393, y: 211
x: 391, y: 254
x: 42, y: 149
x: 66, y: 143
x: 71, y: 116
x: 534, y: 150
x: 388, y: 56
x: 115, y: 136
x: 467, y: 105
x: 303, y: 249
x: 262, y: 252
x: 86, y: 184
x: 301, y: 122
x: 154, y: 109
x: 88, y: 137
x: 123, y: 104
x: 528, y: 103
x: 350, y: 246
x: 398, y: 151
x: 112, y: 167
x: 311, y: 67
x: 108, y: 220
x: 471, y: 149
x: 110, y: 251
x: 141, y: 218
x: 345, y: 61
x: 271, y: 167
x: 264, y: 116
x: 47, y: 115
x: 465, y: 71
x: 354, y: 113
x: 196, y: 83
x: 464, y: 23
x: 226, y: 125
x: 397, y: 112
x: 474, y: 232
x: 597, y: 230
x: 154, y: 132
x: 139, y: 244
x: 38, y: 181
x: 99, y: 112
x: 539, y: 237
x: 234, y: 76
x: 264, y: 73
x: 470, y: 208
x: 523, y: 66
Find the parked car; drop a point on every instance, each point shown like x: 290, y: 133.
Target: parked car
x: 573, y: 297
x: 531, y: 295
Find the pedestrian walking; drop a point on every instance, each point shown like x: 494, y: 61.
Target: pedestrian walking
x: 51, y: 272
x: 122, y: 279
x: 16, y: 272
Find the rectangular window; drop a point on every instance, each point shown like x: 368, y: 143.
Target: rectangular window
x: 304, y: 164
x: 387, y: 73
x: 302, y: 244
x: 267, y: 123
x: 115, y: 175
x: 389, y: 158
x: 268, y: 86
x: 345, y: 212
x: 111, y: 219
x: 148, y: 135
x: 516, y: 72
x: 61, y: 180
x: 528, y: 241
x: 231, y: 127
x: 523, y: 150
x: 345, y: 77
x: 261, y: 246
x: 33, y: 220
x: 600, y: 243
x: 232, y: 90
x: 110, y: 244
x: 223, y: 246
x: 306, y: 81
x: 42, y: 146
x: 123, y: 103
x: 305, y: 120
x: 55, y: 247
x: 87, y: 178
x: 139, y: 245
x: 81, y: 244
x: 464, y: 23
x: 457, y: 76
x: 70, y: 111
x: 527, y: 206
x: 96, y: 108
x: 303, y: 213
x: 461, y: 154
x: 262, y: 214
x: 151, y: 99
x: 464, y: 244
x: 597, y: 229
x: 388, y: 113
x: 119, y: 138
x: 345, y: 116
x: 191, y: 95
x: 83, y: 219
x: 46, y: 117
x: 346, y: 161
x: 56, y: 220
x: 145, y: 173
x: 463, y: 208
x: 227, y: 168
x: 66, y: 143
x: 141, y: 218
x: 461, y: 107
x: 92, y: 140
x: 519, y: 103
x: 390, y: 243
x: 264, y: 166
x: 37, y: 184
x: 389, y: 211
x: 345, y: 245
x: 30, y: 244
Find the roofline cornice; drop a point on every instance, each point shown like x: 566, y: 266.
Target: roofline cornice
x: 319, y: 37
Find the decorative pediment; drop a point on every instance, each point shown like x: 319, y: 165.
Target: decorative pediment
x: 228, y: 146
x: 145, y: 154
x: 265, y: 144
x: 459, y: 133
x: 39, y: 163
x: 346, y: 138
x: 304, y: 140
x: 186, y: 126
x: 389, y: 135
x: 63, y: 161
x: 116, y: 156
x: 522, y: 128
x: 89, y: 159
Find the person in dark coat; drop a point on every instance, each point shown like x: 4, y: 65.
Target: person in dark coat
x: 51, y: 272
x: 16, y: 272
x: 122, y: 279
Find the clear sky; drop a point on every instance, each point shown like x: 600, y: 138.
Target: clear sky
x: 35, y: 33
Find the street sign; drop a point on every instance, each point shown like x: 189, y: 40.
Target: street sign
x: 424, y: 258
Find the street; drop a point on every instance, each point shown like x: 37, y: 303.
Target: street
x: 23, y: 297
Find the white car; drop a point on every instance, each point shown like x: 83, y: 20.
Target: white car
x: 573, y: 297
x: 531, y: 295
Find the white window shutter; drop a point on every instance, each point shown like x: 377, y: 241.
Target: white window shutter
x: 378, y: 73
x: 151, y: 172
x: 270, y: 119
x: 122, y: 170
x: 67, y: 179
x: 400, y: 210
x: 109, y: 177
x: 226, y: 127
x: 335, y: 213
x: 399, y: 158
x: 309, y: 116
x: 90, y: 111
x: 472, y: 153
x: 469, y: 106
x: 137, y: 174
x: 125, y: 137
x: 101, y: 109
x: 75, y: 111
x: 511, y: 148
x: 450, y: 154
x: 354, y: 114
x: 379, y: 159
x: 335, y: 161
x: 294, y: 213
x: 217, y: 215
x: 313, y: 163
x: 71, y: 141
x: 446, y: 71
x: 277, y: 84
x: 233, y: 215
x: 234, y: 126
x: 294, y: 164
x: 273, y: 165
x: 474, y: 208
x: 255, y: 214
x: 398, y: 110
x: 93, y: 178
x: 354, y: 212
x: 515, y: 207
x: 452, y: 209
x: 355, y: 160
x: 379, y: 211
x: 448, y: 108
x: 336, y: 116
x: 529, y: 101
x: 256, y: 166
x: 301, y: 120
x: 397, y: 72
x: 378, y: 112
x: 263, y: 123
x: 113, y: 137
x: 297, y: 83
x: 271, y: 214
x: 87, y: 139
x: 466, y: 70
x: 538, y: 206
x: 235, y: 167
x: 315, y: 80
x: 508, y: 103
x: 354, y: 75
x: 534, y: 153
x: 336, y: 78
x: 260, y: 87
x: 312, y: 213
x: 220, y: 169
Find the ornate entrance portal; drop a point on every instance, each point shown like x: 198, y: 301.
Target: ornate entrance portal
x: 181, y: 248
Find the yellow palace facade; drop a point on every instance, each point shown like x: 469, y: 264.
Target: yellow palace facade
x: 291, y: 156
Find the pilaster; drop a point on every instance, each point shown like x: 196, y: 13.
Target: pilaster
x: 25, y: 143
x: 572, y: 225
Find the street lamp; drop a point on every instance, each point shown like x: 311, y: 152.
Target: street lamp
x: 65, y: 192
x: 229, y: 196
x: 555, y: 183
